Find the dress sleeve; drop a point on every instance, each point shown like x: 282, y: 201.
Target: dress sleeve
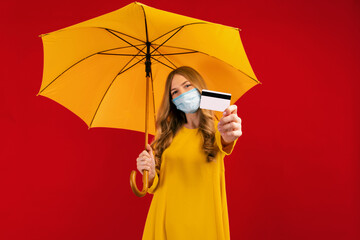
x: 153, y: 187
x: 228, y: 149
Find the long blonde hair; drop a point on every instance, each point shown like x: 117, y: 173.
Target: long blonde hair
x: 170, y: 119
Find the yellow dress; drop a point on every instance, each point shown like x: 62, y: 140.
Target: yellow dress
x: 189, y: 200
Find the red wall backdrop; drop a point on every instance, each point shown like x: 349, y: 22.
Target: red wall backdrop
x: 293, y: 175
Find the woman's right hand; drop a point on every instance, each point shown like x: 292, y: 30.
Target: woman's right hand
x: 146, y: 161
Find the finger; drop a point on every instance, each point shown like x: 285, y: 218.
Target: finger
x: 141, y: 169
x: 225, y: 120
x: 230, y: 110
x: 143, y: 159
x: 149, y: 149
x: 231, y: 126
x: 228, y: 118
x: 230, y: 134
x: 144, y: 154
x: 143, y: 166
x: 234, y: 134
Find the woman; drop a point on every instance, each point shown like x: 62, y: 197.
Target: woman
x: 185, y: 164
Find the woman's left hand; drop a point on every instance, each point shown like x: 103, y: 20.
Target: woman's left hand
x: 229, y: 125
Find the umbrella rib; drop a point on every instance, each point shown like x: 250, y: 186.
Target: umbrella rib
x: 170, y: 54
x: 187, y: 49
x: 110, y: 31
x: 66, y: 71
x: 119, y: 54
x: 257, y: 81
x: 120, y: 72
x: 146, y: 28
x: 42, y: 35
x: 112, y: 49
x: 166, y: 40
x: 163, y: 57
x: 163, y: 63
x: 80, y: 62
x: 177, y: 28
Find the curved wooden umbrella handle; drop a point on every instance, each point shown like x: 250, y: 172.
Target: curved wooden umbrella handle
x: 145, y: 183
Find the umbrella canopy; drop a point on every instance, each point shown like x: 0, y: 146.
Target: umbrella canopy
x: 96, y: 68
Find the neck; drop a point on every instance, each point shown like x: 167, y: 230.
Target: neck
x: 192, y: 120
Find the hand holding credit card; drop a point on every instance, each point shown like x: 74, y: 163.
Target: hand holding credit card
x: 217, y: 101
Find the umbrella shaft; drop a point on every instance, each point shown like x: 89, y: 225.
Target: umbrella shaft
x: 148, y: 59
x: 148, y: 72
x: 147, y: 110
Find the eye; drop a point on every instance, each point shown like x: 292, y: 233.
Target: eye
x: 173, y: 93
x: 188, y: 85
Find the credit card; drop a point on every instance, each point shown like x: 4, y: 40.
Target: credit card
x: 216, y: 101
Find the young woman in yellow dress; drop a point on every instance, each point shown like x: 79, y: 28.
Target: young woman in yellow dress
x: 186, y: 164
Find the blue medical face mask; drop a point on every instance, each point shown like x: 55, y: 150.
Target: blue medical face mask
x: 188, y: 102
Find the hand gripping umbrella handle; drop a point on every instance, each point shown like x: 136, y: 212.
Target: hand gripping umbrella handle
x: 145, y: 183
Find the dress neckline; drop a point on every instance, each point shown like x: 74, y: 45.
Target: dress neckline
x: 190, y: 128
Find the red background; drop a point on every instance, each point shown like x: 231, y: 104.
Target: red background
x: 293, y: 175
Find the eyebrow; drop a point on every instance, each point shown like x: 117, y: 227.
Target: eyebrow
x: 180, y: 85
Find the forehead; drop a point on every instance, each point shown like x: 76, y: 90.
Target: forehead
x: 177, y: 80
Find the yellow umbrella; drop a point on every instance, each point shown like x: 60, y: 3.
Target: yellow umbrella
x: 111, y: 70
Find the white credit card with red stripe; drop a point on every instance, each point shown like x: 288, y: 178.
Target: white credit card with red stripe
x: 217, y: 101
